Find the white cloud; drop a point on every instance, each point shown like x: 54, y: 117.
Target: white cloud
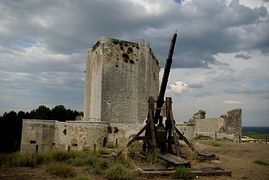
x: 254, y: 3
x: 232, y: 102
x: 178, y: 87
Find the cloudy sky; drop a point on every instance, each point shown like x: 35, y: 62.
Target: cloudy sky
x: 221, y: 59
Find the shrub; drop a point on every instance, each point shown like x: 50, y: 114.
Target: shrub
x: 77, y: 161
x: 118, y: 172
x: 96, y: 163
x: 104, y: 151
x: 81, y: 178
x: 84, y: 159
x: 21, y: 160
x: 61, y: 170
x: 4, y: 159
x: 260, y: 162
x: 135, y: 147
x: 151, y: 158
x: 182, y: 173
x: 61, y: 156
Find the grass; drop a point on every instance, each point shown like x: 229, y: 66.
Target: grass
x: 225, y: 139
x: 61, y: 156
x: 82, y: 158
x: 22, y: 160
x: 118, y: 172
x: 135, y: 147
x: 256, y: 135
x: 152, y: 158
x: 61, y: 163
x: 202, y: 137
x: 61, y: 170
x: 182, y: 173
x: 260, y: 162
x: 95, y: 163
x: 81, y: 178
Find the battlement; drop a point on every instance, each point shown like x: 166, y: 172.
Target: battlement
x: 126, y: 51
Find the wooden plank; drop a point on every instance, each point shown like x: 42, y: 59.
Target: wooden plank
x: 196, y: 172
x: 211, y: 172
x: 176, y: 160
x: 141, y: 137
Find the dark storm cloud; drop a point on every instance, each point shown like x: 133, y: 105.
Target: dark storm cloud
x: 243, y: 56
x: 206, y: 27
x: 43, y: 44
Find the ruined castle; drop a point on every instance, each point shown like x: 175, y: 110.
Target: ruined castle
x: 119, y: 78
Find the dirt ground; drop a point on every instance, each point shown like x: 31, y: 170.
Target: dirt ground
x: 238, y: 158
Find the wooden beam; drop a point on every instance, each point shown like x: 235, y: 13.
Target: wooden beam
x: 170, y: 118
x: 137, y: 135
x: 195, y: 172
x: 181, y: 136
x: 175, y: 160
x: 151, y: 125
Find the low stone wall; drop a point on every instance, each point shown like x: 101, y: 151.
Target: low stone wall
x: 186, y: 130
x: 79, y: 135
x: 215, y: 135
x: 121, y: 132
x: 44, y: 135
x: 37, y: 135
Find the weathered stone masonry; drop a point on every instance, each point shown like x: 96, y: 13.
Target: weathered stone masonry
x: 226, y: 126
x: 120, y: 76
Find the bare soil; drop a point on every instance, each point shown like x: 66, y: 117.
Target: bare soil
x: 237, y: 157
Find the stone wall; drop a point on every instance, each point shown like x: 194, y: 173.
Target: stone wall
x: 43, y: 135
x: 37, y: 135
x: 79, y: 135
x: 226, y: 126
x: 120, y: 77
x: 121, y: 132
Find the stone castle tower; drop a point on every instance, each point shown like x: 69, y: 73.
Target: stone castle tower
x: 120, y: 77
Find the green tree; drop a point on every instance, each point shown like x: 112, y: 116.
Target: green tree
x: 59, y: 113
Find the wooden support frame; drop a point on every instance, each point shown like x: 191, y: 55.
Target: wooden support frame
x: 171, y: 129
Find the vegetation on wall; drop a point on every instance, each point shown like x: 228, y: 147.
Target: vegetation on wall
x: 11, y: 123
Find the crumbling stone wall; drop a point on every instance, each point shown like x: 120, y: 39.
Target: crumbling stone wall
x: 226, y: 126
x: 233, y: 123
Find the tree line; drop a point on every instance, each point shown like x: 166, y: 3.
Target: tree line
x: 11, y: 123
